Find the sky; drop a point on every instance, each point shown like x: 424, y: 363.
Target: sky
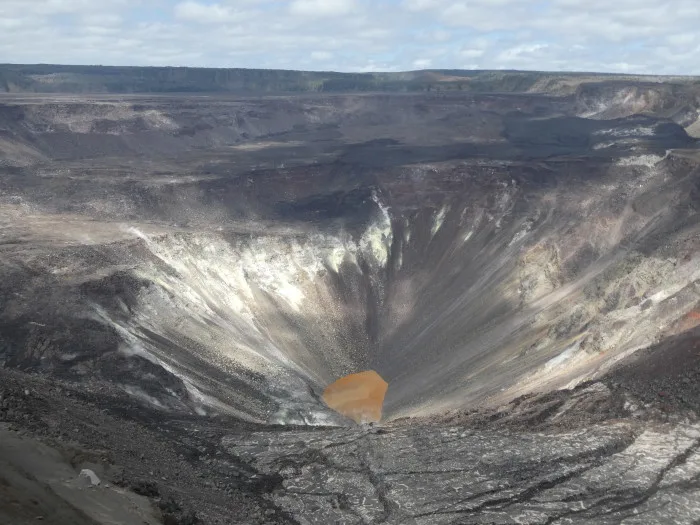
x: 626, y: 36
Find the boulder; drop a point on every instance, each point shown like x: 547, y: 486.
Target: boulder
x: 89, y: 478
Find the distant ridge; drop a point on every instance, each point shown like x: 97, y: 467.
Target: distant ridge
x: 45, y: 78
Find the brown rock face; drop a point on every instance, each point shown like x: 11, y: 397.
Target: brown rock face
x: 358, y: 396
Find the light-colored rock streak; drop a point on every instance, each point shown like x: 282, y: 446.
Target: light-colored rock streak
x: 257, y: 303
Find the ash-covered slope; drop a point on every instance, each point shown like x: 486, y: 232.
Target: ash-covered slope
x: 238, y: 255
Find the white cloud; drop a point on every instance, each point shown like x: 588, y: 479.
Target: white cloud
x: 55, y: 7
x: 103, y: 19
x: 471, y: 53
x: 422, y: 63
x: 11, y: 23
x: 436, y: 35
x: 321, y: 55
x: 520, y: 51
x: 316, y: 8
x: 204, y: 13
x: 682, y: 39
x: 422, y: 5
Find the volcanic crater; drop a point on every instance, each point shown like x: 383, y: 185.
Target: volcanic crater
x: 521, y: 268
